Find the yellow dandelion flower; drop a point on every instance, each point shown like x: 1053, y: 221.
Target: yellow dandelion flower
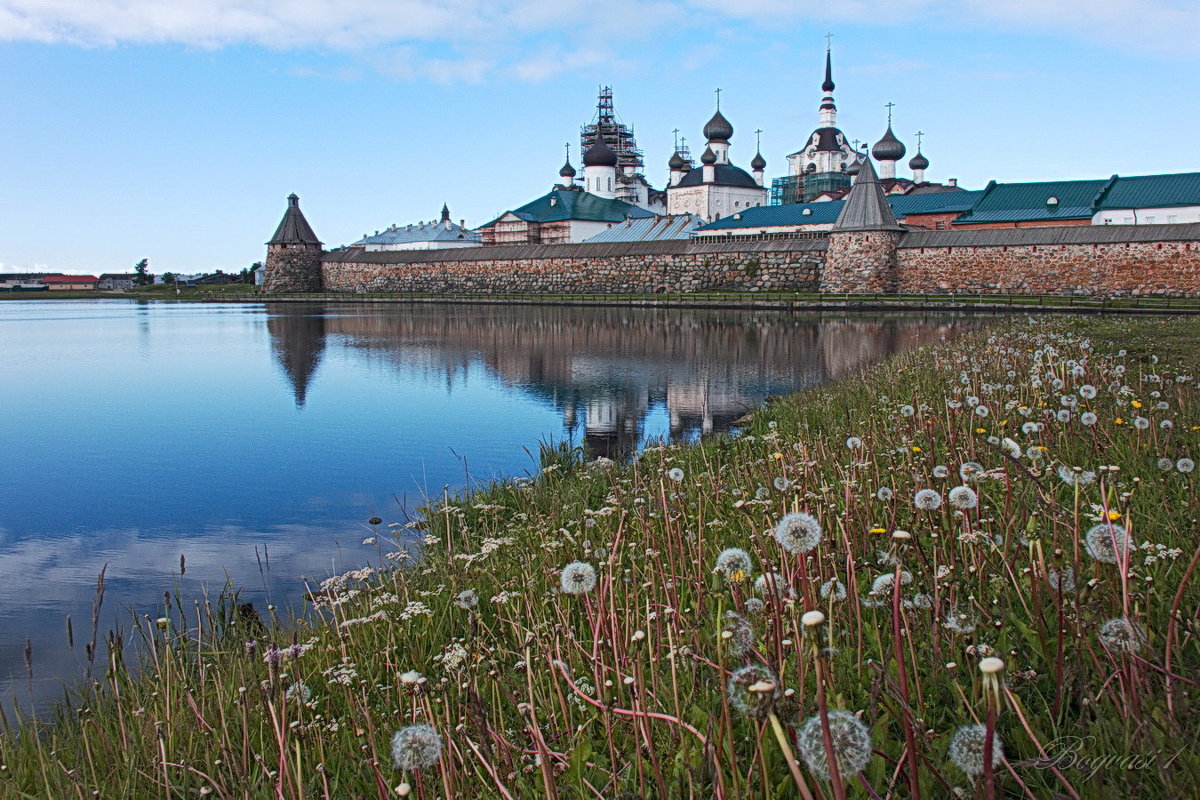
x: 777, y: 456
x: 916, y: 449
x: 1136, y: 404
x: 981, y: 430
x: 878, y: 530
x: 1114, y: 515
x: 1118, y: 421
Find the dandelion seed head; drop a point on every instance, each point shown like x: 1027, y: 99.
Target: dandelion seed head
x: 885, y: 493
x: 1106, y: 542
x: 772, y: 583
x: 907, y: 411
x: 733, y: 563
x: 416, y: 747
x: 1087, y: 418
x: 884, y: 583
x: 1087, y: 391
x: 798, y: 532
x: 851, y: 740
x: 675, y: 474
x: 967, y: 749
x: 299, y: 692
x: 941, y: 471
x: 833, y: 588
x: 927, y: 499
x: 970, y: 471
x: 854, y: 443
x: 738, y: 634
x: 740, y: 696
x: 1122, y: 636
x: 781, y: 483
x: 578, y: 577
x: 466, y: 599
x: 1062, y: 580
x: 1185, y: 465
x: 963, y: 497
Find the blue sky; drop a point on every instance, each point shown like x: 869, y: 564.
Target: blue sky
x: 174, y: 129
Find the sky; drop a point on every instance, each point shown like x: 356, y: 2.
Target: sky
x: 174, y: 130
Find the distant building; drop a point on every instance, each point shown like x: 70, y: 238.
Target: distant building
x: 628, y: 183
x: 1037, y: 204
x: 117, y: 280
x: 716, y: 188
x: 22, y: 282
x: 441, y: 235
x: 65, y: 283
x: 561, y: 216
x: 1151, y: 200
x: 824, y: 168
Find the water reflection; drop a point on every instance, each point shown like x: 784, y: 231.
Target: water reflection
x: 607, y: 370
x: 226, y: 432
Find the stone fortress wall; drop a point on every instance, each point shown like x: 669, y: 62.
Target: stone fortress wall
x: 613, y: 268
x: 1124, y: 260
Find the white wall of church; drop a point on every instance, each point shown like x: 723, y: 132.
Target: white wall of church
x: 1147, y: 216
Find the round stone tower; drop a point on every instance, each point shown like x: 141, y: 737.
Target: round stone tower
x: 293, y: 254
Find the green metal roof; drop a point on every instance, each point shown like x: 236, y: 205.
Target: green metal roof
x: 566, y: 204
x: 825, y: 212
x: 1027, y: 202
x: 1153, y: 191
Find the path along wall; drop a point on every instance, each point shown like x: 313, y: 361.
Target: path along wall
x: 1116, y: 260
x: 616, y: 267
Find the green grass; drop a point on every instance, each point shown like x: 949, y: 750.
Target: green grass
x: 631, y: 689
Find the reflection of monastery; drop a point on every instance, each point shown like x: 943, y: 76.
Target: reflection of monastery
x: 605, y: 370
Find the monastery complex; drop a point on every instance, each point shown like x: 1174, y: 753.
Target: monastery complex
x: 842, y: 219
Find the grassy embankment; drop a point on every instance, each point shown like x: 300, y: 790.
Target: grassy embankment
x: 669, y: 679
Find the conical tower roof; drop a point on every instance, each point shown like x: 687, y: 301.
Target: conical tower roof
x: 866, y: 207
x: 294, y: 228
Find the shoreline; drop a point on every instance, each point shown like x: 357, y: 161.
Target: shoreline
x: 536, y: 684
x: 773, y: 301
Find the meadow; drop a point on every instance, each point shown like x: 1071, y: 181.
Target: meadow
x: 967, y: 572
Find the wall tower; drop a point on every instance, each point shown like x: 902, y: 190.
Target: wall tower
x: 293, y: 254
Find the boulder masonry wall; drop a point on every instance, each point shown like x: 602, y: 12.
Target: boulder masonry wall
x: 616, y: 268
x: 1112, y: 261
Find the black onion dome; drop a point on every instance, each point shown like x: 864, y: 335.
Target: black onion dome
x: 567, y: 171
x: 889, y: 148
x: 709, y: 157
x: 919, y: 162
x: 676, y: 161
x: 758, y: 162
x: 601, y: 155
x: 718, y: 128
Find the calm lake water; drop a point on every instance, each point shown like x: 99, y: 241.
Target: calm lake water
x: 257, y: 439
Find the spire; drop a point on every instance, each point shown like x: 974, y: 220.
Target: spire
x: 445, y: 213
x: 294, y: 228
x: 866, y: 208
x: 828, y: 109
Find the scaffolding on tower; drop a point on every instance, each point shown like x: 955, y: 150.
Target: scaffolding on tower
x: 616, y: 134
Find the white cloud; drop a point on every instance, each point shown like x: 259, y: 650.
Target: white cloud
x: 462, y: 40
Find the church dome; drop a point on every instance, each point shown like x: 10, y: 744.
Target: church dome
x: 601, y: 155
x: 758, y: 162
x: 718, y: 128
x: 853, y: 167
x: 918, y: 162
x: 889, y: 148
x: 567, y: 171
x: 709, y: 156
x: 676, y: 161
